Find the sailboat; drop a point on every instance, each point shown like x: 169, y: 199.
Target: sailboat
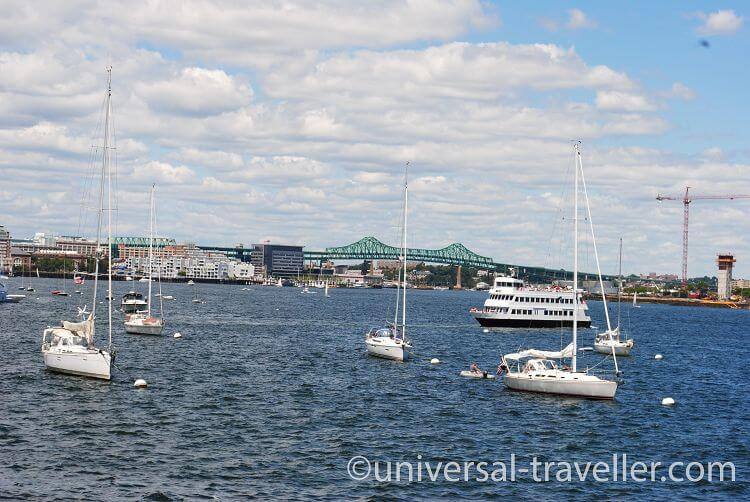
x: 61, y: 292
x: 390, y: 342
x: 70, y: 348
x: 609, y: 341
x: 196, y: 298
x: 635, y: 300
x: 31, y: 286
x: 541, y: 372
x: 143, y: 323
x: 326, y: 290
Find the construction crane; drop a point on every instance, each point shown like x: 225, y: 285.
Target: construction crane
x: 686, y: 200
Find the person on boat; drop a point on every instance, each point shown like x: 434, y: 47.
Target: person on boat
x: 474, y: 368
x: 501, y: 368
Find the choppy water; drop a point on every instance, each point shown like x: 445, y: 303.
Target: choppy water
x: 269, y: 394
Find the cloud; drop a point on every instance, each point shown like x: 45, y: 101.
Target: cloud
x: 457, y: 70
x: 680, y: 91
x: 195, y: 91
x: 721, y: 22
x: 162, y: 173
x: 578, y: 20
x: 624, y: 101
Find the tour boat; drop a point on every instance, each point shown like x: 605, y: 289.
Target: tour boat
x: 143, y: 322
x: 70, y: 348
x: 541, y: 373
x: 513, y: 304
x: 390, y: 342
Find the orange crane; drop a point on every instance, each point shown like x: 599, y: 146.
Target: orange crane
x: 686, y: 200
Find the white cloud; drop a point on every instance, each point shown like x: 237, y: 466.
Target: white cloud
x: 577, y: 20
x: 721, y: 22
x: 162, y: 173
x: 680, y: 91
x: 625, y: 101
x: 195, y: 91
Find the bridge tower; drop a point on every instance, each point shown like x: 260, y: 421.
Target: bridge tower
x: 458, y: 278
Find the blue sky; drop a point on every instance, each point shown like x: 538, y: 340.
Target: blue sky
x: 292, y: 121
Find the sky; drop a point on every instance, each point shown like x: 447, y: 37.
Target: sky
x: 291, y: 121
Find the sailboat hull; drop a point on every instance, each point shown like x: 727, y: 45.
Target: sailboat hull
x: 92, y: 363
x: 586, y: 387
x: 621, y: 349
x: 387, y: 350
x: 139, y: 328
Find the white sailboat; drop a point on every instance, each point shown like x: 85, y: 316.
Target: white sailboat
x: 70, y: 348
x: 390, y: 342
x: 635, y: 300
x: 196, y: 298
x: 541, y: 372
x: 610, y: 341
x: 144, y: 323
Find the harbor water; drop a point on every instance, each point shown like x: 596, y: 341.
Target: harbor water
x: 269, y: 394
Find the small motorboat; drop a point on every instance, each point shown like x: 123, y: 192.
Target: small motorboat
x: 59, y: 292
x: 477, y: 374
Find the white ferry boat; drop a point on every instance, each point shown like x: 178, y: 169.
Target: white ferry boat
x: 513, y: 304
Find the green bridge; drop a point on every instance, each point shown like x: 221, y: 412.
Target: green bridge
x: 370, y: 248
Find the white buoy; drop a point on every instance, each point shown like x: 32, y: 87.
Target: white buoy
x: 178, y: 335
x: 658, y: 357
x: 434, y: 360
x: 485, y: 330
x: 140, y: 383
x: 667, y: 401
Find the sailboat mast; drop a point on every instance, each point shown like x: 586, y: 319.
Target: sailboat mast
x: 575, y: 261
x: 619, y: 286
x: 109, y: 199
x: 406, y: 210
x: 150, y: 245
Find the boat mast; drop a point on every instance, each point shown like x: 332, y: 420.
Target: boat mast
x: 109, y: 199
x: 619, y: 287
x: 406, y: 210
x: 575, y: 259
x: 150, y: 244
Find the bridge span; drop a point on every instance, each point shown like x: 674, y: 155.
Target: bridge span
x: 370, y: 248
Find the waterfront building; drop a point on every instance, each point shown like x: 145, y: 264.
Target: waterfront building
x: 5, y: 256
x: 21, y: 259
x: 278, y: 260
x: 184, y: 260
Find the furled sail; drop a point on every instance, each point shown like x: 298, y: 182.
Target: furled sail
x: 542, y: 354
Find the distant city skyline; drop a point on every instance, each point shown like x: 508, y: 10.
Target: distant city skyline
x: 292, y: 123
